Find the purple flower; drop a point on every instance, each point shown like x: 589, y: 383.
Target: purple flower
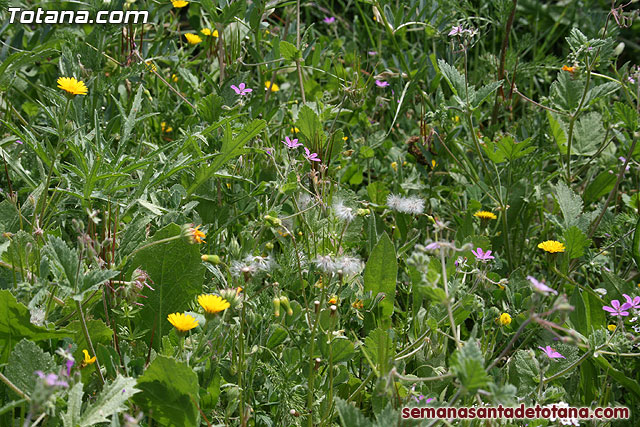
x: 616, y: 309
x: 291, y: 143
x: 69, y: 364
x: 242, y: 89
x: 623, y: 160
x: 52, y: 380
x: 455, y: 31
x: 481, y: 255
x: 551, y: 353
x: 329, y: 20
x: 419, y: 398
x: 538, y: 286
x: 432, y: 246
x: 312, y: 157
x: 382, y: 83
x: 633, y: 302
x: 372, y: 53
x: 19, y: 142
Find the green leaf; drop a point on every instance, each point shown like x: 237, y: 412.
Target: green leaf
x: 599, y: 187
x: 622, y: 378
x: 468, y: 366
x: 110, y: 401
x: 210, y: 107
x: 232, y: 146
x: 310, y: 126
x: 377, y: 192
x: 576, y: 242
x: 98, y: 331
x: 71, y: 418
x: 350, y: 415
x: 635, y: 248
x: 378, y: 350
x: 588, y: 132
x: 380, y: 276
x: 566, y: 92
x: 92, y: 279
x: 341, y: 349
x: 626, y: 115
x: 15, y: 324
x: 168, y: 387
x: 9, y: 217
x: 484, y: 92
x: 26, y: 358
x: 65, y: 259
x: 177, y: 273
x: 507, y: 148
x: 289, y: 51
x: 558, y: 131
x: 277, y: 337
x: 570, y: 204
x: 596, y: 92
x: 453, y: 78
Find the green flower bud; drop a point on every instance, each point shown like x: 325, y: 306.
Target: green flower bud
x: 213, y: 259
x: 276, y: 306
x: 285, y: 303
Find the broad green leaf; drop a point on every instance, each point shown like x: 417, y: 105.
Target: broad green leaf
x: 350, y: 415
x: 566, y: 92
x: 629, y: 383
x: 380, y: 276
x: 169, y: 390
x: 26, y: 358
x: 596, y: 92
x: 599, y: 187
x: 576, y: 242
x: 377, y: 192
x: 288, y: 51
x: 9, y: 218
x: 92, y: 279
x: 15, y: 324
x: 98, y: 331
x: 110, y: 401
x: 341, y: 349
x: 210, y: 107
x: 468, y: 366
x: 378, y: 350
x: 570, y: 204
x: 177, y: 273
x: 588, y: 133
x: 277, y: 337
x: 558, y: 131
x: 71, y: 418
x: 310, y: 126
x: 453, y: 78
x: 483, y: 93
x: 65, y: 259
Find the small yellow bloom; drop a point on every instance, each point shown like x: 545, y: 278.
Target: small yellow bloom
x: 569, y: 69
x: 208, y: 32
x: 611, y: 327
x: 433, y: 163
x: 504, y: 319
x: 72, y: 86
x: 456, y: 119
x: 358, y: 304
x: 394, y: 165
x: 87, y: 360
x: 150, y: 65
x: 192, y: 235
x: 344, y: 138
x: 179, y: 3
x: 552, y: 246
x: 213, y: 304
x: 174, y: 78
x: 193, y: 38
x: 295, y: 129
x: 333, y: 300
x: 165, y: 128
x: 182, y: 322
x: 273, y: 86
x: 485, y: 215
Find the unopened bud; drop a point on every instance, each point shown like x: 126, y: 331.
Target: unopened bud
x: 363, y: 212
x: 268, y: 246
x: 285, y: 303
x: 213, y: 259
x: 317, y: 365
x: 273, y: 221
x: 276, y: 306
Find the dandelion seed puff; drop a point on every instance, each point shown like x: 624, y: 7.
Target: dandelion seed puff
x: 241, y: 268
x: 260, y: 263
x: 410, y: 205
x: 325, y: 263
x: 343, y: 212
x: 304, y: 200
x: 349, y: 265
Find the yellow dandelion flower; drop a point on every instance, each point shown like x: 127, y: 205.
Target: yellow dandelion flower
x: 208, y: 32
x: 485, y: 215
x: 192, y: 235
x: 344, y: 138
x: 87, y: 360
x: 72, y: 86
x: 212, y: 304
x: 193, y: 38
x: 273, y: 86
x: 182, y: 322
x: 504, y: 319
x: 179, y: 3
x: 611, y: 327
x: 569, y: 69
x: 552, y: 246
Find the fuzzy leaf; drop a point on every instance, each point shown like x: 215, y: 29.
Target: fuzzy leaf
x: 468, y: 365
x: 350, y: 415
x: 570, y: 204
x: 110, y: 401
x: 566, y: 92
x: 576, y: 242
x: 453, y: 78
x: 380, y: 276
x: 26, y: 358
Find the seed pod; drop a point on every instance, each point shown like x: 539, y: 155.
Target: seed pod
x: 276, y: 306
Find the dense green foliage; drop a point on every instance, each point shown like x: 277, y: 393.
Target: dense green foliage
x: 368, y: 185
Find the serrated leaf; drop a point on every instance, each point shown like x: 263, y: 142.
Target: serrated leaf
x: 26, y: 358
x: 168, y: 387
x: 310, y: 126
x: 65, y: 259
x: 71, y: 418
x: 596, y: 92
x: 210, y: 107
x: 566, y: 92
x: 177, y: 273
x: 483, y: 93
x: 576, y: 242
x: 453, y: 77
x: 378, y: 349
x: 380, y: 275
x: 110, y: 401
x: 570, y: 204
x: 468, y: 366
x: 626, y: 115
x: 588, y: 133
x: 288, y: 51
x: 350, y: 415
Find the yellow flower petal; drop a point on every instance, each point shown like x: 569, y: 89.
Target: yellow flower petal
x: 552, y: 246
x: 72, y: 86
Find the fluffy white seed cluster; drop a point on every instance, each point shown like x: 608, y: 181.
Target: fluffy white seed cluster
x: 343, y: 212
x: 347, y: 265
x: 410, y: 205
x: 251, y: 265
